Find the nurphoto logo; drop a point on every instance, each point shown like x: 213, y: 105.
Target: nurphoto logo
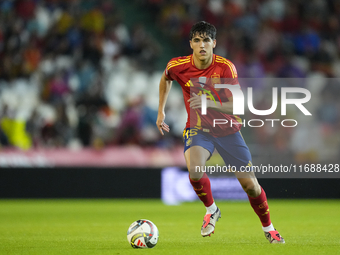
x: 238, y: 104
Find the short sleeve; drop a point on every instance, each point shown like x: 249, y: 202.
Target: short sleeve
x: 169, y: 72
x: 230, y: 73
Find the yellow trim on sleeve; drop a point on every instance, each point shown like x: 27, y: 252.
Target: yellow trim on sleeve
x: 231, y: 66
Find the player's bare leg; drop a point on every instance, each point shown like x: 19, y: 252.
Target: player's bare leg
x: 258, y: 200
x: 197, y: 156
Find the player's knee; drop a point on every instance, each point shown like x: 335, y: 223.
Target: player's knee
x: 195, y: 179
x: 195, y: 175
x: 252, y: 189
x: 195, y: 168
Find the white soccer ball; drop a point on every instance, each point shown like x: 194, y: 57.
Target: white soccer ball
x: 143, y: 234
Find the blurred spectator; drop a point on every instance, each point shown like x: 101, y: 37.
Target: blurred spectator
x: 14, y: 130
x: 84, y: 128
x: 58, y: 87
x: 129, y: 130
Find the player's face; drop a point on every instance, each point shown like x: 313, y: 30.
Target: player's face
x: 202, y: 46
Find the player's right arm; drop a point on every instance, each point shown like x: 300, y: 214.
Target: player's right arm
x: 164, y: 89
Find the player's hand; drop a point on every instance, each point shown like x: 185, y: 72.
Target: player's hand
x: 195, y: 101
x: 161, y: 125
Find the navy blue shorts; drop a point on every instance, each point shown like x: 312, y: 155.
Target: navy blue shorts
x: 232, y: 148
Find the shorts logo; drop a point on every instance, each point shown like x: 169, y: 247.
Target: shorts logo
x: 189, y: 141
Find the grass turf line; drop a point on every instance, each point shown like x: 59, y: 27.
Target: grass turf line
x: 100, y: 226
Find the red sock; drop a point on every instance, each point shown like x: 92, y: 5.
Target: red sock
x: 203, y: 190
x: 261, y: 208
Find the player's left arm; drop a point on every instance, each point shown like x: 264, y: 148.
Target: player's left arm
x: 226, y: 107
x: 230, y: 74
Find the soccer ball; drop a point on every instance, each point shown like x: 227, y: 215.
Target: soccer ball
x: 142, y: 234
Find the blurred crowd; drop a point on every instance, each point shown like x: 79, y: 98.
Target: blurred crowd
x: 72, y: 74
x: 59, y: 63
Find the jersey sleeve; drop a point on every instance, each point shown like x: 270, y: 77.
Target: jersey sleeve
x: 169, y: 71
x: 230, y: 75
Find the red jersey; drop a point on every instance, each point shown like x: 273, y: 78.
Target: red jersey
x: 184, y: 71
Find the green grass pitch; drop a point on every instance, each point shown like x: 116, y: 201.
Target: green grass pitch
x: 99, y: 227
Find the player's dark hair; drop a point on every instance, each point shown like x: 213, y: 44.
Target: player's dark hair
x: 203, y: 28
